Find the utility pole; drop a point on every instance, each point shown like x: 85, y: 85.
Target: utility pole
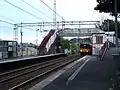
x: 15, y: 32
x: 108, y: 27
x: 54, y: 14
x: 116, y: 26
x: 79, y: 39
x: 37, y: 39
x: 21, y: 40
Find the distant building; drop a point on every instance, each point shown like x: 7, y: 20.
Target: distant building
x: 8, y: 49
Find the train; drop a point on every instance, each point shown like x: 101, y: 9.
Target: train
x: 85, y: 49
x: 93, y: 48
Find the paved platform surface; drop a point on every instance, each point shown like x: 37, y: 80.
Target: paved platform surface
x: 14, y: 59
x: 94, y: 75
x: 24, y: 58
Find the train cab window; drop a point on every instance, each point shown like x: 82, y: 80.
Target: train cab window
x: 84, y: 46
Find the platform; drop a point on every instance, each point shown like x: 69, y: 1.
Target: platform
x: 93, y: 74
x: 26, y: 58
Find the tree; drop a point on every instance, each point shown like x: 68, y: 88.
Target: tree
x: 65, y: 43
x: 104, y: 26
x: 74, y: 48
x: 107, y: 6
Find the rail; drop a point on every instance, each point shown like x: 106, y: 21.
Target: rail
x: 16, y: 79
x: 4, y: 76
x: 8, y: 65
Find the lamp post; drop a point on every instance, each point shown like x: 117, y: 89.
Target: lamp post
x: 79, y: 39
x: 37, y: 39
x: 108, y: 27
x: 116, y: 27
x: 21, y: 32
x: 37, y: 36
x: 54, y: 14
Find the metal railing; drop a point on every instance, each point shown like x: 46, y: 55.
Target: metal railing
x: 103, y: 50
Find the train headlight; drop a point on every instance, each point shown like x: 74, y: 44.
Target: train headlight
x: 81, y: 50
x: 87, y: 51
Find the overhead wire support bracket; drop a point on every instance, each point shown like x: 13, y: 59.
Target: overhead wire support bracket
x: 61, y: 23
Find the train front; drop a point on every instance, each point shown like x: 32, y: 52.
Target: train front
x: 85, y: 49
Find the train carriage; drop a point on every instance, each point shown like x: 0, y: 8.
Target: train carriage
x: 85, y: 49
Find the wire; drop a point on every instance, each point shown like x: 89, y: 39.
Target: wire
x: 23, y: 10
x: 8, y: 19
x: 6, y: 22
x: 50, y: 8
x: 12, y: 23
x: 36, y: 9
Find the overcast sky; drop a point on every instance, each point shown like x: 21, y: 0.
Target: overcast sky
x: 69, y: 9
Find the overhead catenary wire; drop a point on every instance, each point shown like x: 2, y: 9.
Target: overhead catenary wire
x: 7, y: 19
x: 11, y: 23
x: 36, y: 9
x: 51, y: 8
x: 23, y: 10
x: 6, y: 22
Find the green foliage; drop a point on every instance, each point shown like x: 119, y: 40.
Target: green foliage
x: 107, y: 6
x: 65, y: 43
x: 74, y: 47
x: 80, y: 40
x: 104, y: 26
x: 70, y: 46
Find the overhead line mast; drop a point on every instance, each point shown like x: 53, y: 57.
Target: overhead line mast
x: 54, y: 13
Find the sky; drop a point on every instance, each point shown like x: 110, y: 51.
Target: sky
x: 70, y: 9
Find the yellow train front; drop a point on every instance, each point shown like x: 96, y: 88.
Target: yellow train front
x: 85, y: 49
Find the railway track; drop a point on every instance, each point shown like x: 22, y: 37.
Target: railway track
x: 21, y: 71
x: 17, y: 79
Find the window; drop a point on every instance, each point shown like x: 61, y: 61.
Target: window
x: 10, y: 43
x: 1, y: 43
x: 84, y: 46
x: 99, y: 39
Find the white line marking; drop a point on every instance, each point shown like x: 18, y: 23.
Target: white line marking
x: 51, y: 78
x: 76, y: 72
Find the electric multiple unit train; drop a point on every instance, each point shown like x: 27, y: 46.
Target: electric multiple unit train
x: 85, y: 49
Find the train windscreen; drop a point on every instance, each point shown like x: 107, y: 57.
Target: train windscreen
x: 85, y: 46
